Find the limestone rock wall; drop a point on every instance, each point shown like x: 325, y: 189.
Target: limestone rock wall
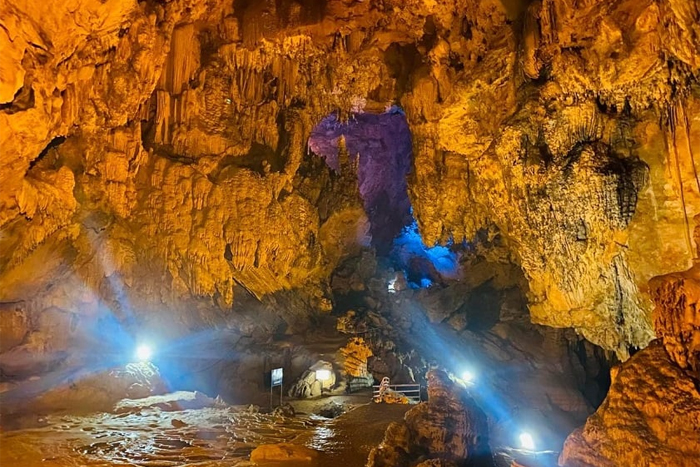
x: 676, y: 317
x: 157, y: 150
x: 574, y: 136
x: 651, y: 414
x: 650, y: 417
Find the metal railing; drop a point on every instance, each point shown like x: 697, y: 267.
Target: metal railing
x: 411, y: 391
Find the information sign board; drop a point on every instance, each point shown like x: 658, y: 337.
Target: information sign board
x: 276, y: 378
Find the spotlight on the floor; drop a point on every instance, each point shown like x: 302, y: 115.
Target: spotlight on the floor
x: 526, y: 441
x: 143, y: 353
x: 323, y: 375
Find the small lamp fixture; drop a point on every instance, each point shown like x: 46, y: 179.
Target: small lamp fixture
x: 526, y: 441
x: 143, y: 353
x: 467, y: 377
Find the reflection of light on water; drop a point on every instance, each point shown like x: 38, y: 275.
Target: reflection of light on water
x: 148, y: 437
x: 324, y: 439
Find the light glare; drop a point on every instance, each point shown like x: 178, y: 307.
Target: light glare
x: 467, y: 376
x: 527, y: 442
x: 143, y: 353
x: 323, y: 375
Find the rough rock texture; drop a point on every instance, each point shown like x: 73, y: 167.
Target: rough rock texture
x: 572, y: 167
x: 382, y: 145
x: 13, y: 327
x: 84, y: 392
x: 677, y: 317
x: 650, y: 417
x: 154, y: 154
x: 283, y: 452
x: 354, y: 357
x: 572, y: 137
x: 157, y: 179
x: 436, y: 463
x: 448, y: 428
x: 308, y: 385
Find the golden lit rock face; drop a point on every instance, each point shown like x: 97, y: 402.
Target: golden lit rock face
x: 574, y: 169
x: 161, y: 145
x: 283, y: 452
x: 677, y: 317
x: 449, y: 428
x: 651, y: 416
x: 355, y: 355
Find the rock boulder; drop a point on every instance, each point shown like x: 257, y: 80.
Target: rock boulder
x: 449, y: 429
x: 283, y: 452
x: 651, y: 416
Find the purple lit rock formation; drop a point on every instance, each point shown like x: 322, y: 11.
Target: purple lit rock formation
x: 383, y: 145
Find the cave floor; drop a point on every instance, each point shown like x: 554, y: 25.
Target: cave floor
x: 349, y: 438
x: 162, y: 436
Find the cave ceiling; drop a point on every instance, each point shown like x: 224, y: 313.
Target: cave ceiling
x: 158, y: 149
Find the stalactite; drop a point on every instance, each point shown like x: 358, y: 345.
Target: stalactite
x: 671, y: 138
x: 689, y: 148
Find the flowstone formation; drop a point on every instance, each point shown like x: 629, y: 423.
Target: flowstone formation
x: 559, y: 137
x: 651, y: 415
x: 676, y: 319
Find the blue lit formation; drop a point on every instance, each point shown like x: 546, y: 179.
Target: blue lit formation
x: 423, y: 264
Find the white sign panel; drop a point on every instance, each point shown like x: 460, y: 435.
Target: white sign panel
x: 276, y: 377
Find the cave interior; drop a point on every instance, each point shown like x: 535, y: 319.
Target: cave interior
x: 382, y: 233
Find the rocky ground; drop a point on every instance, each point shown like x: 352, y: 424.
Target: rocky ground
x: 186, y: 428
x: 191, y: 429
